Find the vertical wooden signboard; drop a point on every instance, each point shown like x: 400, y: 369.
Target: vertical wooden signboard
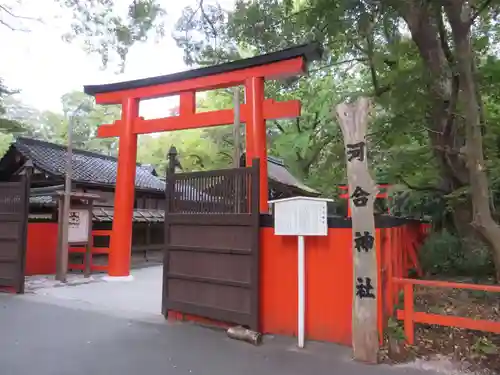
x: 353, y: 119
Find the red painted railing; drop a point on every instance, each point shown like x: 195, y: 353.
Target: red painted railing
x: 410, y: 316
x: 399, y: 256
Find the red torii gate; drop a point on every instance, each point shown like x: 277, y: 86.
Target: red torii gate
x: 250, y: 72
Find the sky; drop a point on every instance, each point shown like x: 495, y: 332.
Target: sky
x: 44, y: 67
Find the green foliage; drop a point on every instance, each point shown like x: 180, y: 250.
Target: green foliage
x: 484, y: 346
x: 195, y: 149
x: 106, y: 27
x: 312, y: 146
x: 7, y: 125
x: 5, y: 141
x: 53, y: 127
x: 425, y: 204
x: 102, y: 29
x: 445, y: 254
x: 395, y: 330
x: 417, y: 134
x: 87, y: 117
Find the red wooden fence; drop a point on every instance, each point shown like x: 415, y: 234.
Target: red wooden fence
x: 410, y: 316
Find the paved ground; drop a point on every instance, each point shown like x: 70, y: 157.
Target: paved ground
x: 140, y: 297
x: 115, y: 328
x: 46, y: 339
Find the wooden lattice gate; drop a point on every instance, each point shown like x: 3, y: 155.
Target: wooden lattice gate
x: 14, y: 205
x: 211, y: 263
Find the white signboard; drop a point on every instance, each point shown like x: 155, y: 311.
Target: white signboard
x: 78, y: 230
x: 300, y: 216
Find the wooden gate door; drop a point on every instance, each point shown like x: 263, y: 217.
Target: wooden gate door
x: 211, y: 260
x: 14, y: 205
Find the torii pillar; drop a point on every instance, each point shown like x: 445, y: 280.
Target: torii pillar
x: 251, y: 73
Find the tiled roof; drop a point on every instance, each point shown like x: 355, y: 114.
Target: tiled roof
x: 43, y: 200
x: 150, y: 168
x: 88, y: 167
x: 104, y: 214
x: 91, y: 167
x: 45, y: 196
x: 277, y: 172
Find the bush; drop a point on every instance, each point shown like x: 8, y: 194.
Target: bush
x: 444, y: 253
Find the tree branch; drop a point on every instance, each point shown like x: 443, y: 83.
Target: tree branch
x: 371, y: 64
x: 7, y: 25
x: 359, y: 47
x: 317, y: 151
x: 316, y: 122
x: 280, y: 128
x: 378, y: 90
x: 381, y: 91
x: 192, y: 15
x: 420, y: 188
x: 481, y: 8
x: 338, y: 63
x: 482, y: 116
x: 297, y: 125
x: 448, y: 150
x: 205, y: 16
x: 443, y: 37
x: 223, y: 153
x: 226, y: 138
x: 455, y: 79
x: 9, y: 11
x: 199, y: 160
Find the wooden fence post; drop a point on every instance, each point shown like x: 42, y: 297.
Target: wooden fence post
x: 353, y: 120
x: 169, y: 199
x: 90, y: 241
x: 28, y: 173
x: 408, y: 318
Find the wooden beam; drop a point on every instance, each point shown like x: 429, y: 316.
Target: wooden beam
x: 353, y: 120
x: 272, y: 110
x: 187, y: 103
x: 280, y: 69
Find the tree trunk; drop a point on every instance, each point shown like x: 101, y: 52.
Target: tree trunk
x: 442, y: 89
x: 444, y: 84
x: 459, y: 15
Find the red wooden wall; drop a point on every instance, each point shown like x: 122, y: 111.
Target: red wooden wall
x: 329, y: 289
x: 328, y: 285
x: 41, y: 249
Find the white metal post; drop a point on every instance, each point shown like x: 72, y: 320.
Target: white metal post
x: 289, y: 214
x: 301, y: 281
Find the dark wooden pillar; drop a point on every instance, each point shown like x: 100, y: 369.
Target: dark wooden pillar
x: 169, y: 198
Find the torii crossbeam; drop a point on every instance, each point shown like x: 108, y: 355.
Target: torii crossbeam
x: 250, y: 72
